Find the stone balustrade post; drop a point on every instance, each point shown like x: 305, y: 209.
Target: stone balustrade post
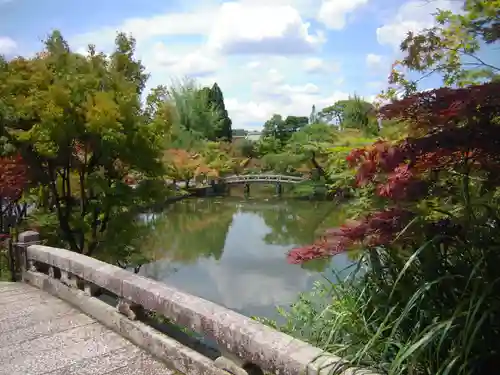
x: 24, y: 240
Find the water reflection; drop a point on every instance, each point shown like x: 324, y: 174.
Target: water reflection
x: 232, y: 251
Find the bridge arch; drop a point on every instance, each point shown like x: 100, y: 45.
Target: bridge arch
x: 262, y: 178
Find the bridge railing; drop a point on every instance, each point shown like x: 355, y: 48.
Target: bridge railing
x: 262, y: 178
x: 252, y: 348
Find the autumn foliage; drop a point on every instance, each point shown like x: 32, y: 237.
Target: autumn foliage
x: 184, y: 165
x: 13, y: 177
x: 453, y: 139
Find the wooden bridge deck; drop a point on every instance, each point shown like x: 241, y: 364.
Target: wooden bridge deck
x: 41, y: 334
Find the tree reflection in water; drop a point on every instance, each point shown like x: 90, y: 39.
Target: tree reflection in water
x: 191, y: 229
x: 232, y: 251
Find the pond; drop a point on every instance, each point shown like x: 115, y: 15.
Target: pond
x: 232, y: 251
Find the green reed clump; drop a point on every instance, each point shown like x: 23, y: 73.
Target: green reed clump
x: 432, y: 311
x: 425, y: 297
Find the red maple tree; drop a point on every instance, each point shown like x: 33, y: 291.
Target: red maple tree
x: 13, y: 177
x: 451, y: 132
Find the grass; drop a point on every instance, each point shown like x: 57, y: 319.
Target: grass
x: 434, y: 312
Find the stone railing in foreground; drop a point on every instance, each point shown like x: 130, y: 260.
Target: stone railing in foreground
x: 247, y: 346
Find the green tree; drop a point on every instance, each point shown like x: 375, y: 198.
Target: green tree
x: 451, y: 48
x: 273, y: 127
x: 282, y: 162
x: 294, y: 123
x: 334, y: 113
x: 317, y: 132
x: 281, y: 129
x: 349, y: 113
x: 312, y: 142
x: 193, y: 119
x: 359, y: 114
x: 78, y: 123
x: 268, y: 145
x: 216, y: 100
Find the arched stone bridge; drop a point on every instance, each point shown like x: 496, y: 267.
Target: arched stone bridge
x: 247, y: 179
x: 262, y: 178
x: 55, y: 321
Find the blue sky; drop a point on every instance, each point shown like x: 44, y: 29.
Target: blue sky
x: 268, y: 56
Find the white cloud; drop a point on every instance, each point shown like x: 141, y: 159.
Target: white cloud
x: 317, y: 65
x: 243, y: 113
x: 253, y: 64
x: 7, y: 45
x: 245, y: 28
x: 333, y: 13
x: 286, y: 99
x: 307, y: 8
x: 275, y: 77
x: 188, y: 23
x: 314, y: 65
x: 373, y: 60
x: 285, y: 91
x: 412, y: 16
x: 194, y: 63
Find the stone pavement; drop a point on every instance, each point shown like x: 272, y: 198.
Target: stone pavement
x: 41, y: 334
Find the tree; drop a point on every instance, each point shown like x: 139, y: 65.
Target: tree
x: 182, y: 165
x: 13, y: 172
x: 194, y: 118
x: 273, y: 127
x: 283, y: 162
x: 160, y: 111
x: 359, y: 114
x: 294, y: 123
x: 317, y: 132
x: 353, y: 112
x: 13, y: 181
x: 312, y: 142
x: 281, y: 129
x: 219, y: 157
x: 268, y: 145
x: 78, y: 124
x: 216, y: 100
x: 334, y: 113
x: 450, y: 48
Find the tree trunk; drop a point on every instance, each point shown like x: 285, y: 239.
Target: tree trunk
x: 319, y: 168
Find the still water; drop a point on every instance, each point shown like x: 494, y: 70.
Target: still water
x: 232, y: 251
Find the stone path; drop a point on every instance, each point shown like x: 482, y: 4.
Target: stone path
x: 40, y: 334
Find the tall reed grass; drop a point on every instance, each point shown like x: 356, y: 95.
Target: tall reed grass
x: 431, y: 311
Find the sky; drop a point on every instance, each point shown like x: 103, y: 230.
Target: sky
x: 268, y: 56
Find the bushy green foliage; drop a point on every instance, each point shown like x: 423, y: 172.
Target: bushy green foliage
x: 79, y: 125
x: 195, y: 118
x: 284, y: 162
